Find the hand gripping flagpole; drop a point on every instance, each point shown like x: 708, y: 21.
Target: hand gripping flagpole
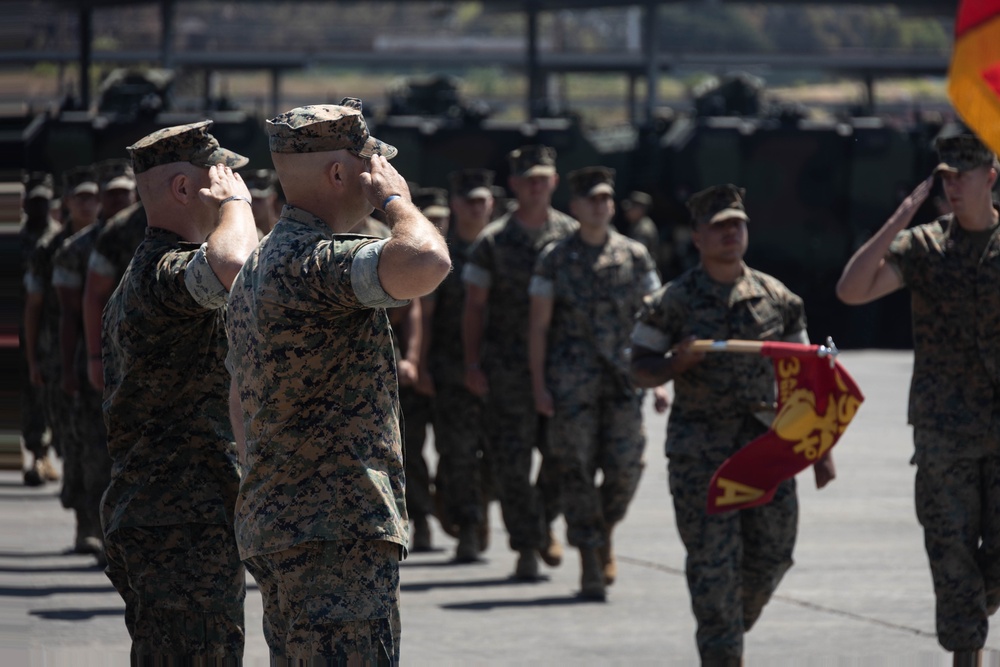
x: 827, y: 351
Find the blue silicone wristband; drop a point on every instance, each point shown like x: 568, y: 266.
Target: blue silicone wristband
x: 389, y: 199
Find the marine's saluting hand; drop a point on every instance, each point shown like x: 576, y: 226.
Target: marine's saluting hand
x: 223, y: 183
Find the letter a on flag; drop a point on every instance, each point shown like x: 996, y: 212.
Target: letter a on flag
x: 816, y: 401
x: 974, y: 74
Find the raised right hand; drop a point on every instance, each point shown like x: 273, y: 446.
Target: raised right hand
x: 382, y: 180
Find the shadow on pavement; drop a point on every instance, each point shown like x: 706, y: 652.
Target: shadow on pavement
x: 35, y: 554
x: 428, y: 564
x: 416, y: 587
x: 487, y: 605
x: 41, y: 592
x: 49, y: 569
x: 28, y: 495
x: 76, y: 614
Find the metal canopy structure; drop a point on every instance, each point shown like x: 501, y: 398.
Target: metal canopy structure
x: 536, y: 64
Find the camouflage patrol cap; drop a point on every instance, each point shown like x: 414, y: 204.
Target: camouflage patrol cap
x: 38, y: 184
x: 591, y: 181
x: 717, y: 203
x: 962, y: 152
x: 260, y: 182
x: 533, y: 160
x: 115, y: 174
x: 326, y: 127
x: 637, y: 198
x: 432, y: 202
x: 182, y: 143
x: 472, y: 183
x: 80, y: 180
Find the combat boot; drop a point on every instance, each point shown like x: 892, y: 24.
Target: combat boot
x: 968, y: 659
x: 591, y: 575
x: 607, y: 554
x: 34, y: 476
x: 725, y: 661
x: 527, y: 566
x: 49, y: 472
x: 421, y: 535
x: 552, y: 552
x: 483, y: 531
x: 468, y: 544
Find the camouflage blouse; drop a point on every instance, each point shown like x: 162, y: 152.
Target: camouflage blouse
x: 312, y: 355
x: 503, y: 260
x: 597, y: 293
x: 954, y: 281
x: 69, y: 271
x: 117, y: 241
x: 723, y: 386
x: 38, y: 280
x: 166, y: 390
x: 445, y: 357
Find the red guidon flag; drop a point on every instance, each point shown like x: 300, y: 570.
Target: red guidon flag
x: 974, y: 74
x: 816, y: 401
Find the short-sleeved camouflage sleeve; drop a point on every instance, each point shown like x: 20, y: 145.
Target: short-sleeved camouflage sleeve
x: 202, y: 283
x: 913, y: 248
x: 481, y: 265
x: 33, y: 284
x: 365, y: 280
x: 101, y: 265
x: 649, y: 280
x: 543, y: 279
x: 899, y: 254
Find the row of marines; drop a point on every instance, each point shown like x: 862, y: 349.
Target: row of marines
x: 285, y: 346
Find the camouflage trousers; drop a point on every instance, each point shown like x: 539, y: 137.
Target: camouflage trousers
x: 460, y: 438
x: 598, y: 431
x: 58, y: 411
x: 183, y: 587
x: 331, y: 603
x: 958, y: 504
x: 735, y: 560
x: 34, y: 425
x: 86, y: 462
x: 416, y: 409
x: 514, y: 431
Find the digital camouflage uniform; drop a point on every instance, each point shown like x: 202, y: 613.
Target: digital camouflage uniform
x: 954, y: 408
x: 38, y: 280
x: 116, y: 242
x: 321, y: 516
x: 34, y: 424
x: 596, y: 294
x: 312, y: 355
x: 417, y: 411
x: 735, y: 560
x: 86, y: 464
x: 502, y: 260
x: 458, y: 413
x: 168, y: 511
x: 645, y: 232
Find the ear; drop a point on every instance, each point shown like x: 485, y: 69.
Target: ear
x: 181, y: 188
x: 696, y: 237
x: 335, y: 174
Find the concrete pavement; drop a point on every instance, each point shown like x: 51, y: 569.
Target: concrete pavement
x: 859, y: 594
